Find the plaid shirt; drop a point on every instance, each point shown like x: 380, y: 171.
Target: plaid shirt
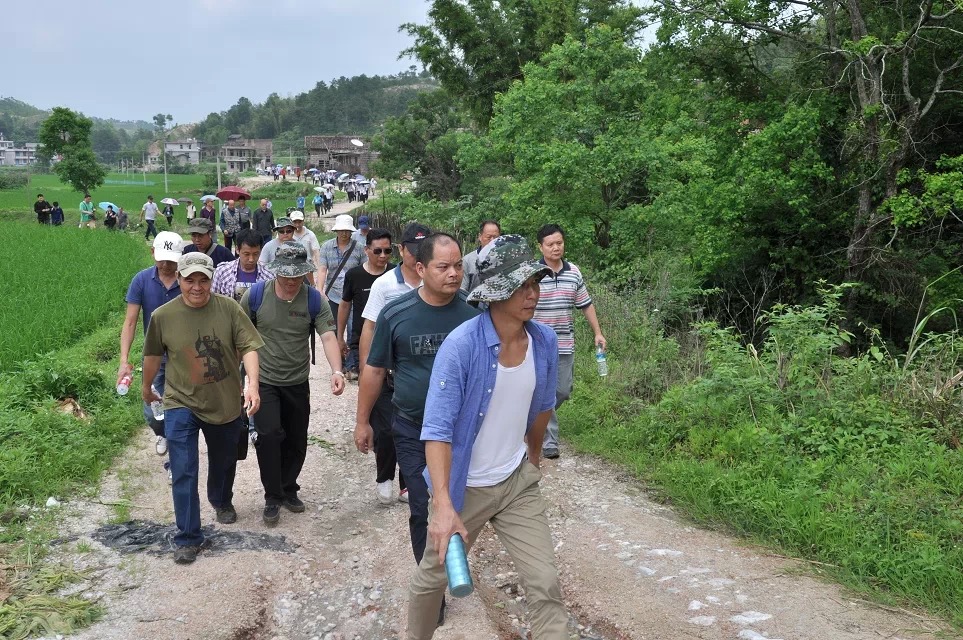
x: 331, y: 257
x: 224, y: 281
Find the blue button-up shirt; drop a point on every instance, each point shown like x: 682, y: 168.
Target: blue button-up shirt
x: 147, y: 290
x: 462, y: 381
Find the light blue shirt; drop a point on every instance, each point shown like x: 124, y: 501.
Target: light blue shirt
x: 462, y: 381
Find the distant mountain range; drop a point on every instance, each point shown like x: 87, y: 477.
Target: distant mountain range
x: 20, y: 109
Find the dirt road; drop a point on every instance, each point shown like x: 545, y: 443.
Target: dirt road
x: 631, y: 569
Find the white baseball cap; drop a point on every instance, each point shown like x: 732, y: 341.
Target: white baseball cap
x: 167, y: 246
x: 297, y: 215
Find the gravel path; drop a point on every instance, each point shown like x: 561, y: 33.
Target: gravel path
x: 630, y: 568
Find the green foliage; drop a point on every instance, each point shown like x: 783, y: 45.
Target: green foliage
x: 73, y: 293
x: 929, y: 196
x: 14, y: 178
x: 67, y: 134
x: 841, y: 460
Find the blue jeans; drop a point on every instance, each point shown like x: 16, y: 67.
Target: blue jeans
x: 182, y: 427
x: 566, y: 371
x: 351, y: 360
x: 157, y: 426
x: 410, y: 451
x: 151, y: 229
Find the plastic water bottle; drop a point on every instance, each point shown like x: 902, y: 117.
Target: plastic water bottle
x: 456, y: 566
x: 124, y: 385
x: 600, y: 361
x: 157, y: 406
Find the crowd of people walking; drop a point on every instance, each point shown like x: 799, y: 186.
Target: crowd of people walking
x: 462, y: 360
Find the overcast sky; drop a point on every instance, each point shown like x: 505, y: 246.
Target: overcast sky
x: 130, y: 60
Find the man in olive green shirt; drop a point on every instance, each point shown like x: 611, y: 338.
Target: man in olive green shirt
x: 202, y: 334
x: 284, y: 320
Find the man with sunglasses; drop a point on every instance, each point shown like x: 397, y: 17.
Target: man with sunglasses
x: 354, y: 297
x: 285, y: 229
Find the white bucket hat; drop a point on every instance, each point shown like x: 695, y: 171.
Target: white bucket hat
x: 344, y: 222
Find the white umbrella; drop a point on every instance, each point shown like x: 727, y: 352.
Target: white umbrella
x: 319, y: 189
x: 170, y: 201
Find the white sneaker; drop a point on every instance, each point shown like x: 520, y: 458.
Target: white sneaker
x: 385, y: 489
x: 403, y: 496
x: 161, y: 446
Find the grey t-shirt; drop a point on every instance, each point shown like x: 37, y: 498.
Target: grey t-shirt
x: 407, y: 336
x: 285, y: 358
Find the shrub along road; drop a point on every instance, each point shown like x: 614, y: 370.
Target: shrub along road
x: 630, y: 567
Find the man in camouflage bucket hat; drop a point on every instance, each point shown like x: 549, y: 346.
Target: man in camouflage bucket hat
x: 284, y: 322
x: 491, y: 393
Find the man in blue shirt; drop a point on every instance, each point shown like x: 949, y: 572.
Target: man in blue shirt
x: 491, y: 393
x: 148, y: 290
x: 202, y: 238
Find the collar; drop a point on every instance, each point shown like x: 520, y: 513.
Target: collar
x: 491, y: 336
x: 156, y: 277
x: 565, y: 266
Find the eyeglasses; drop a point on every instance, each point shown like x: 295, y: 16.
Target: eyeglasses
x: 378, y: 252
x: 286, y: 230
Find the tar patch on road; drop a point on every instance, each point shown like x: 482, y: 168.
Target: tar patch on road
x: 141, y: 536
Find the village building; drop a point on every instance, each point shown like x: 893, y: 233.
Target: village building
x: 338, y: 152
x: 13, y: 156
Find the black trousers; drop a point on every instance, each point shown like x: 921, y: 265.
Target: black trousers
x: 282, y: 438
x: 384, y: 444
x: 411, y: 459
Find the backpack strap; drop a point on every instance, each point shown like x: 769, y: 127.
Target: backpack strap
x: 254, y: 300
x: 315, y: 300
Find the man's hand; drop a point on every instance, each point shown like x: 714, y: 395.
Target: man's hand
x: 364, y: 437
x: 252, y: 399
x: 147, y: 393
x: 600, y: 341
x: 337, y: 383
x: 125, y: 369
x: 343, y: 346
x: 445, y: 522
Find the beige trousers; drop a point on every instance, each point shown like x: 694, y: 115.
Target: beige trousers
x: 516, y: 509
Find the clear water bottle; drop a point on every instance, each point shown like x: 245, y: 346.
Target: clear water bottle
x: 456, y: 566
x: 157, y: 406
x: 124, y: 385
x: 600, y: 361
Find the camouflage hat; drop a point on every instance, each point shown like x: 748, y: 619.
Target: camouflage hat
x: 283, y: 222
x: 291, y: 261
x: 504, y: 265
x: 200, y: 225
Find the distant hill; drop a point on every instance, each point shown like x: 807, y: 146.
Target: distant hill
x: 14, y: 107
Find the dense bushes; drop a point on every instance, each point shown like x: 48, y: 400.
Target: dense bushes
x: 848, y: 461
x: 14, y: 178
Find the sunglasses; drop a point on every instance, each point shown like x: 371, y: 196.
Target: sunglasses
x: 379, y: 251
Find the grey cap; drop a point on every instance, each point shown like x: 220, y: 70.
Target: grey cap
x: 195, y: 262
x: 503, y: 266
x: 283, y: 222
x: 291, y: 261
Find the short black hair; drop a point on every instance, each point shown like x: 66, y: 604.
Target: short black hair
x: 426, y: 248
x: 56, y: 204
x: 376, y: 234
x: 86, y: 195
x: 248, y: 237
x: 39, y: 195
x: 150, y: 197
x: 547, y: 230
x: 485, y: 223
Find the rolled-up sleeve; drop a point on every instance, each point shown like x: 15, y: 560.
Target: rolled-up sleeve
x: 446, y: 393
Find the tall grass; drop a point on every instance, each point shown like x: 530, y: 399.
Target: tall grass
x: 59, y: 284
x: 853, y: 462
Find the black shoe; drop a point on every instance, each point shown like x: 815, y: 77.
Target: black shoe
x: 226, y: 515
x: 441, y: 613
x: 186, y: 554
x: 293, y: 504
x: 272, y: 514
x: 551, y: 454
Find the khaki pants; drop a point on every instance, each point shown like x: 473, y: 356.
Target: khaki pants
x: 516, y: 509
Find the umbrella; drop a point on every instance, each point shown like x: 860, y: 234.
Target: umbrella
x: 312, y: 170
x: 364, y: 182
x: 359, y: 176
x: 319, y: 189
x: 233, y: 193
x: 171, y: 201
x: 343, y: 175
x: 183, y: 200
x: 104, y: 205
x: 328, y: 186
x: 206, y: 198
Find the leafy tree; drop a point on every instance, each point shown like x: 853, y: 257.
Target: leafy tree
x: 67, y: 134
x: 477, y: 49
x: 161, y: 120
x: 420, y: 143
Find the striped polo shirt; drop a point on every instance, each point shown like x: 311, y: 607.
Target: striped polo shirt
x: 560, y: 294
